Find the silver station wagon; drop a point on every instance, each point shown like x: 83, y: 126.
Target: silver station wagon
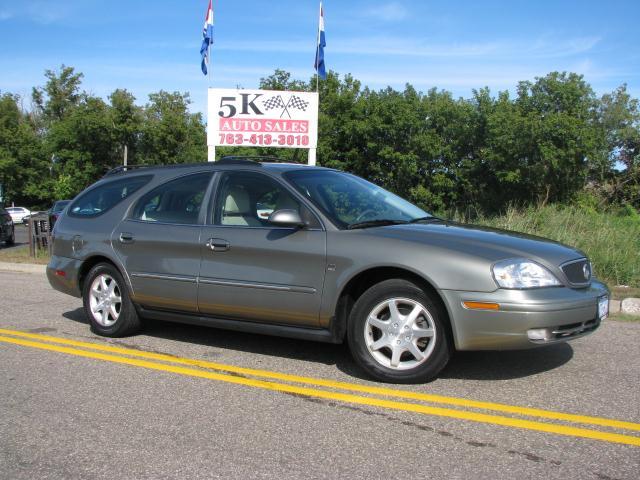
x: 315, y: 254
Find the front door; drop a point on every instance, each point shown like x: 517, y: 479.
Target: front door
x: 252, y: 270
x: 160, y: 243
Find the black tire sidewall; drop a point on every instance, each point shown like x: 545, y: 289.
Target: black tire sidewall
x: 12, y: 239
x: 398, y: 288
x: 127, y: 321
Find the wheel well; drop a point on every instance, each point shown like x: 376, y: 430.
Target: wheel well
x: 367, y: 279
x: 88, y: 264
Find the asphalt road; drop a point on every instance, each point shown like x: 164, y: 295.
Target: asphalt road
x: 178, y: 402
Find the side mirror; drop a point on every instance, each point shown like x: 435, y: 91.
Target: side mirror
x: 286, y: 218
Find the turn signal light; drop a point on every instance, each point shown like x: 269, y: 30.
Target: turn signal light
x: 61, y: 273
x: 481, y: 306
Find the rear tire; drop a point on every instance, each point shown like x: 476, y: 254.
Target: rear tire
x: 397, y: 333
x: 107, y: 304
x: 12, y: 239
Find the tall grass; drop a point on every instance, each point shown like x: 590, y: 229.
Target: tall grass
x: 611, y: 241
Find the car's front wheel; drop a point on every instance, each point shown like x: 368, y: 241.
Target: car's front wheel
x: 107, y: 304
x: 397, y: 333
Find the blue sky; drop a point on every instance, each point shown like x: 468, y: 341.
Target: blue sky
x: 146, y: 46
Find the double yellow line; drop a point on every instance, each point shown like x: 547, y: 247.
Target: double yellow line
x: 334, y: 390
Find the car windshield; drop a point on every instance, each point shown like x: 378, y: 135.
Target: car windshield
x: 351, y: 202
x: 59, y: 206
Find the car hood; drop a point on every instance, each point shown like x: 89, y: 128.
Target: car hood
x: 490, y: 243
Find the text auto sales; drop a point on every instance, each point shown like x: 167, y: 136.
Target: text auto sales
x: 282, y: 132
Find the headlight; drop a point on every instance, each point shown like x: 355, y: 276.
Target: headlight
x: 520, y: 273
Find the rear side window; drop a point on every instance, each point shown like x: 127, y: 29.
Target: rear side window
x: 103, y: 198
x: 178, y: 201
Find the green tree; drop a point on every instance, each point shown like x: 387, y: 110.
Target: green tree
x: 126, y: 121
x: 620, y: 120
x: 60, y: 94
x: 170, y: 133
x: 540, y: 146
x: 20, y: 152
x: 82, y: 146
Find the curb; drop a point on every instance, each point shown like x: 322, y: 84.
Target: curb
x: 23, y: 267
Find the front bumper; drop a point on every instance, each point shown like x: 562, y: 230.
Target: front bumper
x: 564, y: 313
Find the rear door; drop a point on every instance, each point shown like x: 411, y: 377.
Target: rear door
x: 252, y: 270
x: 160, y: 243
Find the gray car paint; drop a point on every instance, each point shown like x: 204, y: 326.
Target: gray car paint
x: 295, y: 277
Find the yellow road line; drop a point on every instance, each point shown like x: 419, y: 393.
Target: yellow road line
x: 343, y: 397
x: 389, y: 392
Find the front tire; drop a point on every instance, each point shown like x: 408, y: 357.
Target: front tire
x: 107, y: 304
x: 397, y: 333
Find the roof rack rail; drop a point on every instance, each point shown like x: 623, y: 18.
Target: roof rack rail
x: 249, y: 160
x: 123, y: 168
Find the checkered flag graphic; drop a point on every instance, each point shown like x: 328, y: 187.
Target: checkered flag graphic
x: 273, y: 102
x: 298, y: 103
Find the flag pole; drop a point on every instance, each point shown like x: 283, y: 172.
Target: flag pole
x: 318, y: 50
x: 211, y: 149
x: 311, y: 160
x: 209, y: 46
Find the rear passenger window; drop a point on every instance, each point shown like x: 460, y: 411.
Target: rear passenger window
x: 104, y: 197
x: 178, y: 201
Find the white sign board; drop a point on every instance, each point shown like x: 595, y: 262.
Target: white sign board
x: 262, y: 118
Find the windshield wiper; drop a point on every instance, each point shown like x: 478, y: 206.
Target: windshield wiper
x: 375, y: 223
x: 430, y: 218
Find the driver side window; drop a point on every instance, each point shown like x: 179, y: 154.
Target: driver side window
x: 247, y: 199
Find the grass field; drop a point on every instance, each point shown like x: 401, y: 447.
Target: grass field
x: 21, y: 255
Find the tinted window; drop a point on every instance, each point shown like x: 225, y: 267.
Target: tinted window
x: 104, y: 197
x: 177, y: 201
x: 247, y: 199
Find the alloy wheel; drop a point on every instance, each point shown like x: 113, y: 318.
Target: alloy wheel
x: 400, y: 333
x: 105, y: 300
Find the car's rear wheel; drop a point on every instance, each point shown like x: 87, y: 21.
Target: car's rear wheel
x: 397, y: 333
x: 12, y: 239
x: 107, y: 304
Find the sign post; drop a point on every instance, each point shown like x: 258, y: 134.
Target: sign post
x: 262, y: 118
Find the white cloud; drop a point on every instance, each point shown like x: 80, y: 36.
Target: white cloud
x: 389, y: 12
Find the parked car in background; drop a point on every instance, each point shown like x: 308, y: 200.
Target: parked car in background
x: 18, y: 213
x: 25, y: 220
x: 7, y: 230
x: 56, y: 210
x: 315, y: 254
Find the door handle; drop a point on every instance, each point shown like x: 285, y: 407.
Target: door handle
x: 126, y: 237
x: 217, y: 245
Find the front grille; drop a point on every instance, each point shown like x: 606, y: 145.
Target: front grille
x: 578, y: 272
x: 574, y: 329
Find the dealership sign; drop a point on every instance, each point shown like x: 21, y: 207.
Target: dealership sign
x: 262, y: 118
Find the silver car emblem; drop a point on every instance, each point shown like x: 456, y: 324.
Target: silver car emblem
x: 586, y: 271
